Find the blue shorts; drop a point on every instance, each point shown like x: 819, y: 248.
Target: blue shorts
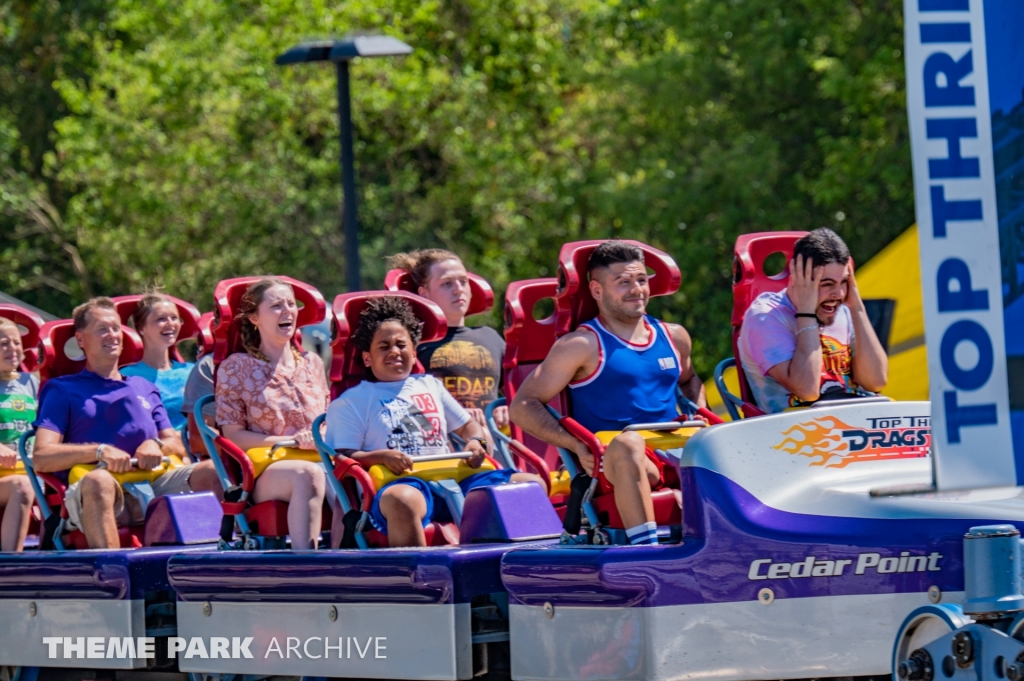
x: 438, y: 511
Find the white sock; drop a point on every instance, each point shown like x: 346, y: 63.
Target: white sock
x: 643, y: 534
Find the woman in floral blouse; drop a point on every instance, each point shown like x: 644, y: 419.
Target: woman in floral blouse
x: 272, y: 392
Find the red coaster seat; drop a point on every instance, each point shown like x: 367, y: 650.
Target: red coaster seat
x: 575, y: 305
x: 54, y: 341
x: 270, y: 517
x: 749, y: 281
x: 481, y: 294
x: 348, y: 370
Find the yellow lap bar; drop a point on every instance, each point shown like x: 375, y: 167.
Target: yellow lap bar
x: 19, y: 469
x: 261, y: 457
x: 447, y: 469
x: 79, y: 471
x: 656, y: 439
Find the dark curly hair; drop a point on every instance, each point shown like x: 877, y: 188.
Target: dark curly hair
x: 382, y: 309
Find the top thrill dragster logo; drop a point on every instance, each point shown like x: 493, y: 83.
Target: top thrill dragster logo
x: 829, y: 442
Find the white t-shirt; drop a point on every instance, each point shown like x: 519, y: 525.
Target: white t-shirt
x: 413, y: 416
x: 768, y: 338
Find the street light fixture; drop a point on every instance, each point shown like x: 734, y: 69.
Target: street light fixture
x: 341, y: 52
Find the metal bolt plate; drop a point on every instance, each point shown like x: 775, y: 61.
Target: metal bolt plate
x: 934, y: 594
x: 332, y: 614
x: 766, y: 596
x: 207, y: 609
x: 32, y: 609
x: 549, y: 611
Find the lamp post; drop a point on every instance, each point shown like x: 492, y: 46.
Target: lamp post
x: 341, y: 52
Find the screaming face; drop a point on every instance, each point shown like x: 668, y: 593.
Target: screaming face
x: 832, y: 292
x: 277, y: 315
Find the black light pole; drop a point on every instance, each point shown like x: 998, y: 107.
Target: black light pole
x: 341, y: 52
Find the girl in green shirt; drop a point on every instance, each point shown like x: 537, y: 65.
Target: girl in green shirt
x: 18, y: 391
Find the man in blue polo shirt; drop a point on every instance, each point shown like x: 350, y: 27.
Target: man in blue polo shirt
x: 98, y: 415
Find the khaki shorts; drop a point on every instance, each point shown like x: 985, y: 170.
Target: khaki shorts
x: 127, y: 510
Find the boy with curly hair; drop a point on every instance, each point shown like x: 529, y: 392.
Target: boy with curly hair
x: 394, y: 417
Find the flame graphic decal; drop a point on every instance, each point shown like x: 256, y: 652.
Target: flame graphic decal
x: 829, y: 442
x: 820, y: 439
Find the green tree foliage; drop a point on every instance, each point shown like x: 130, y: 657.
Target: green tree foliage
x: 185, y: 156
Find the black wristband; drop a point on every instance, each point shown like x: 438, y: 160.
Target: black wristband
x: 810, y: 315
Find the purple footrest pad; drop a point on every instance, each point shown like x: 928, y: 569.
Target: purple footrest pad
x: 508, y: 513
x: 183, y: 519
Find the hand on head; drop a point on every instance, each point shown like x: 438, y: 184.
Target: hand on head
x: 852, y: 292
x: 804, y: 280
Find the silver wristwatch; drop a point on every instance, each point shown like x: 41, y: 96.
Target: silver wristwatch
x: 99, y: 452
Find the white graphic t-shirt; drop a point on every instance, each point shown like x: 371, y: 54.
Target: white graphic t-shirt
x: 413, y: 416
x: 768, y: 338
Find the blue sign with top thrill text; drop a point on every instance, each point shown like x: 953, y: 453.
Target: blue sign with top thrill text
x: 965, y: 100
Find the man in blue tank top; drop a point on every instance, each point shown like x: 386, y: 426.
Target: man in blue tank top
x: 621, y: 367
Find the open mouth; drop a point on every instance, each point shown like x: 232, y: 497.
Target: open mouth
x: 830, y: 308
x: 285, y: 326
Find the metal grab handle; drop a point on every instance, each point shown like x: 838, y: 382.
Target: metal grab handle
x: 164, y: 461
x: 444, y: 457
x: 282, y: 445
x: 666, y: 425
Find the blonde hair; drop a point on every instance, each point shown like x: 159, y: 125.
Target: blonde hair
x: 418, y: 263
x: 4, y: 321
x: 149, y: 300
x: 248, y: 305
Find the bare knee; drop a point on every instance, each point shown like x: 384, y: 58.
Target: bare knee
x: 204, y: 479
x: 526, y: 477
x: 309, y: 481
x: 100, y: 488
x: 627, y: 448
x: 21, y: 491
x: 403, y: 501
